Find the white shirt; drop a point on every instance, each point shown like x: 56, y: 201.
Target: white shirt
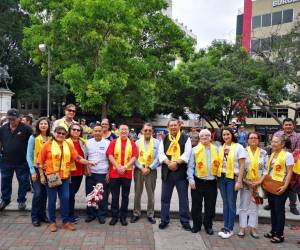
x: 96, y: 151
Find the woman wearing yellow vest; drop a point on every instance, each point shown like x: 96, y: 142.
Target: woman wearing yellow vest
x: 75, y: 139
x: 56, y: 157
x: 202, y: 170
x: 232, y: 161
x: 39, y: 199
x: 255, y: 172
x: 280, y: 167
x: 296, y: 173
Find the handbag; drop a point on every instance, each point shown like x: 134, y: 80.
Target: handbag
x: 270, y: 185
x: 54, y: 180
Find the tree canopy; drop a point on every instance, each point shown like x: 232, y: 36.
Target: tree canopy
x: 113, y: 54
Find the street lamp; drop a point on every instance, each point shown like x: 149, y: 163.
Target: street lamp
x: 43, y: 48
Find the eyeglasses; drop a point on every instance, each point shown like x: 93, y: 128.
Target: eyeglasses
x: 71, y: 110
x: 61, y: 133
x: 104, y: 124
x: 253, y: 138
x: 147, y: 130
x: 75, y: 129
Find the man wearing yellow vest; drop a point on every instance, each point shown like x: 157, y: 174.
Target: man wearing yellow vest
x: 202, y: 172
x: 122, y: 154
x: 67, y: 120
x: 145, y: 172
x: 174, y: 154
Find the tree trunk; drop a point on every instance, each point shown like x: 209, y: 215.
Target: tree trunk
x: 104, y: 111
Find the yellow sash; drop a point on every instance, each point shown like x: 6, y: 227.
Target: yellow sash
x: 38, y: 144
x: 174, y: 147
x: 252, y: 173
x: 229, y: 163
x: 296, y: 168
x: 128, y: 152
x: 200, y: 159
x: 278, y: 167
x: 63, y: 163
x: 146, y: 158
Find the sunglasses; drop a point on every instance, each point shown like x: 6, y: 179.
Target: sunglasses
x: 75, y: 129
x: 71, y: 110
x: 61, y: 133
x: 147, y: 130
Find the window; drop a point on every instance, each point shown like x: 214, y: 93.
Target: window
x: 266, y: 20
x: 282, y: 113
x: 287, y: 16
x: 256, y: 22
x: 277, y: 18
x: 255, y: 45
x: 265, y: 44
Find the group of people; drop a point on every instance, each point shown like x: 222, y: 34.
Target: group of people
x: 58, y: 157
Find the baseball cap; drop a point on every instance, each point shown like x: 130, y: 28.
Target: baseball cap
x: 12, y: 113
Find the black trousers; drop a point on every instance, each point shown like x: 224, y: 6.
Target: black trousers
x: 205, y: 190
x: 277, y: 205
x: 73, y: 189
x: 116, y: 184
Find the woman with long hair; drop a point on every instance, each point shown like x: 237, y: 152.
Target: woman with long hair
x: 35, y: 143
x: 232, y: 161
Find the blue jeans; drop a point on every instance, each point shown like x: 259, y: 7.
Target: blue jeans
x: 229, y: 201
x: 91, y: 181
x: 7, y: 173
x: 39, y: 200
x: 63, y: 194
x: 166, y: 195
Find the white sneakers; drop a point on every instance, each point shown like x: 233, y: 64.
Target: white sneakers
x: 225, y: 234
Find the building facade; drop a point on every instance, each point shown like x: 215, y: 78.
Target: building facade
x: 258, y: 26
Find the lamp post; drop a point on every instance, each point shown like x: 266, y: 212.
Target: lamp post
x: 43, y: 48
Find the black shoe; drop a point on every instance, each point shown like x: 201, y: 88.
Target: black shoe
x: 74, y: 219
x: 195, y: 229
x: 89, y: 219
x: 186, y: 227
x: 101, y: 220
x: 134, y: 219
x: 267, y: 207
x: 3, y: 205
x: 151, y: 220
x: 294, y: 211
x: 124, y: 222
x: 22, y: 206
x: 113, y: 221
x: 163, y: 225
x: 36, y: 223
x: 45, y: 220
x: 209, y: 231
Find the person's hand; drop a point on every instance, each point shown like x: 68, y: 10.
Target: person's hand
x: 92, y: 163
x: 107, y: 178
x: 173, y: 166
x: 43, y: 179
x: 255, y: 183
x: 34, y: 177
x: 145, y: 171
x: 88, y: 171
x: 192, y: 184
x: 237, y: 186
x: 281, y: 190
x: 122, y: 170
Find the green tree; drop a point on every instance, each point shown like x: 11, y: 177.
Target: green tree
x: 218, y: 80
x: 112, y: 54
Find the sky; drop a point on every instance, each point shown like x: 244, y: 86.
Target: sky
x: 209, y: 19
